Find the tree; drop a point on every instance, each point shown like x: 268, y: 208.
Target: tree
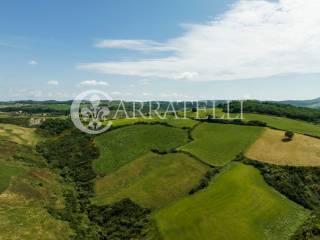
x: 289, y: 135
x: 194, y: 109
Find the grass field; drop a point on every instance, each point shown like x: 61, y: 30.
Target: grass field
x: 26, y: 189
x: 29, y: 222
x: 25, y: 194
x: 238, y: 204
x: 272, y: 121
x: 6, y: 173
x: 286, y: 124
x: 152, y: 180
x: 301, y: 151
x: 21, y: 135
x: 218, y: 144
x: 180, y: 123
x: 123, y: 145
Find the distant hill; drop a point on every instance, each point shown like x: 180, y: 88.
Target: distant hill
x: 314, y: 103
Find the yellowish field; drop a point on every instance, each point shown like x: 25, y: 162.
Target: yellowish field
x: 20, y: 135
x: 301, y: 151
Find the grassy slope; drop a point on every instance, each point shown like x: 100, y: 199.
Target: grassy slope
x: 273, y: 121
x: 237, y: 205
x: 26, y: 189
x: 20, y: 135
x: 23, y: 213
x: 286, y: 124
x: 219, y: 144
x: 188, y: 123
x: 301, y: 151
x: 152, y: 180
x: 123, y: 145
x: 29, y: 222
x: 6, y: 172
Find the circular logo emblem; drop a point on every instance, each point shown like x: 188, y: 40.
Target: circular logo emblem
x: 88, y: 112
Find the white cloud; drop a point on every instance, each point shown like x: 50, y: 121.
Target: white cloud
x: 174, y: 97
x: 32, y: 62
x: 94, y: 83
x: 254, y: 39
x: 186, y: 75
x: 53, y: 82
x: 144, y: 82
x: 136, y: 45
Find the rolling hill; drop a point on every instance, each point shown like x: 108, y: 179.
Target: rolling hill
x: 238, y: 204
x: 314, y: 103
x: 151, y: 180
x: 27, y: 189
x: 218, y: 144
x: 123, y: 145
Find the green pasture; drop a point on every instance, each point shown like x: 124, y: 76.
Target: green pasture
x: 218, y: 144
x: 152, y: 180
x: 123, y: 145
x: 6, y: 173
x: 286, y: 124
x: 170, y: 120
x: 238, y: 204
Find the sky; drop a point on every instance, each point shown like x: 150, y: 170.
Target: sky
x: 160, y: 50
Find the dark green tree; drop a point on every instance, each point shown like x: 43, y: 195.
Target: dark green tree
x: 289, y: 135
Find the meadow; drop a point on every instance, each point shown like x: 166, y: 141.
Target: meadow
x: 238, y: 204
x: 286, y: 124
x: 26, y: 192
x: 27, y: 188
x: 282, y: 123
x: 151, y: 180
x: 218, y: 144
x: 17, y: 134
x: 28, y: 221
x: 170, y: 120
x: 7, y: 171
x: 270, y: 148
x: 125, y: 144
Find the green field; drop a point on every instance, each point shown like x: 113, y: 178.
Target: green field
x: 23, y: 212
x: 238, y: 204
x: 218, y: 144
x: 123, y: 145
x: 152, y: 180
x: 272, y: 121
x: 202, y: 113
x: 180, y: 123
x: 27, y: 188
x: 6, y: 172
x: 286, y: 124
x: 29, y: 222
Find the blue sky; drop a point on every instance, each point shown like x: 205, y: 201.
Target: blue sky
x: 168, y: 49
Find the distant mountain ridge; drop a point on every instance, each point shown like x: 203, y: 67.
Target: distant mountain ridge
x: 314, y: 103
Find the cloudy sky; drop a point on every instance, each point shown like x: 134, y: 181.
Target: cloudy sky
x: 168, y: 49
